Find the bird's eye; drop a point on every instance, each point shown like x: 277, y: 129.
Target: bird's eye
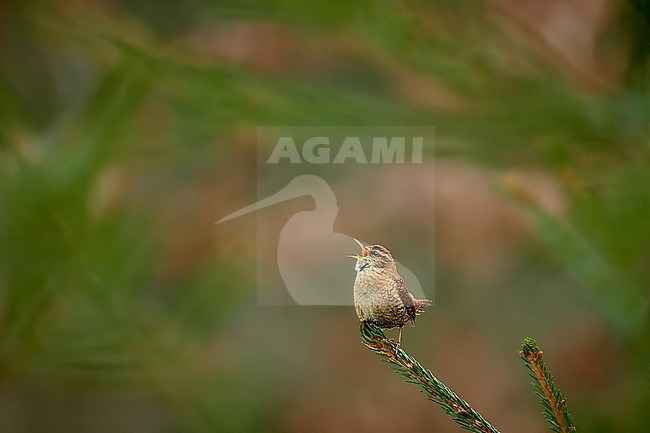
x: 374, y: 253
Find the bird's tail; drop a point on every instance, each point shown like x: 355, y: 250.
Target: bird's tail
x: 420, y: 305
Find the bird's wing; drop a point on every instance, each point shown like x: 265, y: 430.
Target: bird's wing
x: 407, y: 299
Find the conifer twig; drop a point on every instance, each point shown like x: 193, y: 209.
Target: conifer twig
x: 436, y: 391
x: 555, y: 409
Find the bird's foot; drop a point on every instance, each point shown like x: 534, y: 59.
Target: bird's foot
x: 399, y: 340
x: 396, y: 348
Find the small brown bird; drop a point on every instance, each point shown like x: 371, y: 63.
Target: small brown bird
x: 380, y: 295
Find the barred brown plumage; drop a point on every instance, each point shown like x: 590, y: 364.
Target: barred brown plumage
x: 380, y: 295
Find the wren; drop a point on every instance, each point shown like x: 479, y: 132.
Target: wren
x: 380, y: 295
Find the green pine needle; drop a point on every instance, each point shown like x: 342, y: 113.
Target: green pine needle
x: 436, y: 391
x: 555, y: 409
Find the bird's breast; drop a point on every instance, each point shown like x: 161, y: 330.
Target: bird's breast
x: 376, y: 298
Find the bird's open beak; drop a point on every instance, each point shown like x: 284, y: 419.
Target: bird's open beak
x: 364, y: 250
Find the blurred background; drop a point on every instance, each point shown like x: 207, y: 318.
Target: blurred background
x: 128, y: 128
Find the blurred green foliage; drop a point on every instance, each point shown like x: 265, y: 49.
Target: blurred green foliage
x: 91, y: 90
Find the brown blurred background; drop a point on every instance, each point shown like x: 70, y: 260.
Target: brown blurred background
x: 128, y: 128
